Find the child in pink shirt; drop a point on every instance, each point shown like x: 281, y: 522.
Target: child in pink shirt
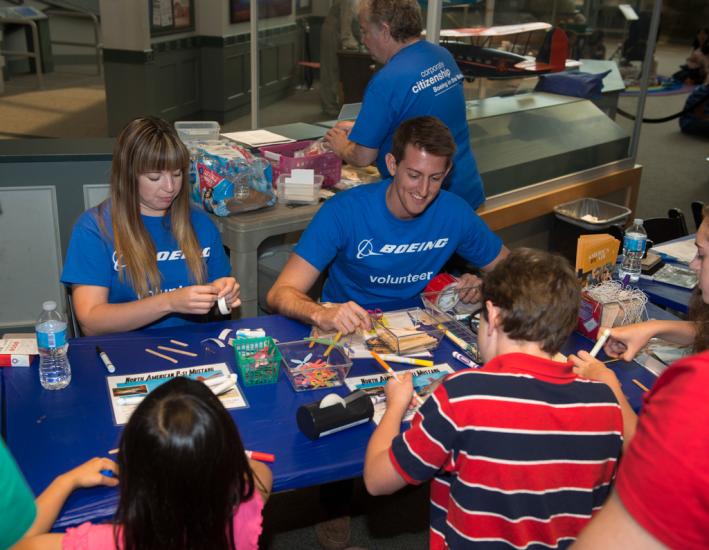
x: 184, y: 481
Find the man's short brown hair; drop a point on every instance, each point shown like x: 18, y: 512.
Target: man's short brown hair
x: 538, y: 295
x: 403, y: 17
x: 426, y: 133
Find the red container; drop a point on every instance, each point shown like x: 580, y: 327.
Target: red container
x: 328, y: 165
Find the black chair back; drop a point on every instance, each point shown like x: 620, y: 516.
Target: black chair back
x: 697, y: 213
x: 660, y: 230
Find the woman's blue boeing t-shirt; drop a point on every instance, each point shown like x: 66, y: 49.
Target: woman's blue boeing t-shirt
x: 91, y: 258
x: 375, y: 257
x: 421, y: 79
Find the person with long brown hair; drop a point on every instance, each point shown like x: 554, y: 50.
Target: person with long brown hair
x: 144, y: 257
x: 625, y: 342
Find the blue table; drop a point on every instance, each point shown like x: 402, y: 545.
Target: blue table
x: 51, y: 432
x: 674, y: 297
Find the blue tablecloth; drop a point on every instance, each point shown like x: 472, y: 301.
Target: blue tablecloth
x: 50, y: 432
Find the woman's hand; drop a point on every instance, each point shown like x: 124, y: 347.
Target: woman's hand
x: 228, y: 287
x: 89, y: 474
x: 195, y: 299
x: 625, y: 342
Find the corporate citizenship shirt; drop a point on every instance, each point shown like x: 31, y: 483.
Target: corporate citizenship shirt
x: 375, y: 257
x: 421, y: 79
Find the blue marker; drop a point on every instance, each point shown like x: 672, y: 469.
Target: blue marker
x: 108, y: 473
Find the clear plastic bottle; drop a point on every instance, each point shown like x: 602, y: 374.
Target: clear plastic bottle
x: 54, y: 368
x: 634, y: 243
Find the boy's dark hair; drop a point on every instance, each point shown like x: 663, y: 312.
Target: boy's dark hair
x: 183, y: 471
x: 538, y: 295
x: 403, y: 17
x: 426, y: 133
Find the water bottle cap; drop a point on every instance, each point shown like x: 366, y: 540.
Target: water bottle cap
x: 50, y: 305
x: 638, y: 221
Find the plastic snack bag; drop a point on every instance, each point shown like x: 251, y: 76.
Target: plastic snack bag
x: 227, y: 179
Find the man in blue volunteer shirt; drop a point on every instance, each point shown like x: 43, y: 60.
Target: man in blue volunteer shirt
x: 418, y: 78
x: 383, y: 242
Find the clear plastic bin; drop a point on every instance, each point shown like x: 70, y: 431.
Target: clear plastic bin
x: 197, y: 130
x: 298, y: 194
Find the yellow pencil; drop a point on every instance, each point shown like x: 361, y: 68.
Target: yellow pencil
x: 334, y: 341
x: 391, y: 371
x: 640, y: 385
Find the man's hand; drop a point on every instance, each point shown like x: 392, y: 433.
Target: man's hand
x: 337, y: 139
x: 469, y: 287
x: 345, y: 318
x: 399, y: 393
x: 229, y: 288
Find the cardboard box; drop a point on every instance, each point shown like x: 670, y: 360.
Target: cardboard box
x: 17, y: 352
x: 593, y: 315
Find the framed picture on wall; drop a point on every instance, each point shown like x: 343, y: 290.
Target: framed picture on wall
x: 171, y: 16
x: 303, y: 7
x: 240, y: 11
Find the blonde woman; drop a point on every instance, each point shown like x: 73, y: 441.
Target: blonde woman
x: 144, y: 258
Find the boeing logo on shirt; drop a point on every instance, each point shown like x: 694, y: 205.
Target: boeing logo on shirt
x: 163, y: 256
x: 365, y: 248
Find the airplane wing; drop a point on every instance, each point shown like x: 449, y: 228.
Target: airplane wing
x: 502, y: 30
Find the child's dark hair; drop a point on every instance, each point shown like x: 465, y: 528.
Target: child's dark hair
x: 538, y: 294
x: 183, y: 471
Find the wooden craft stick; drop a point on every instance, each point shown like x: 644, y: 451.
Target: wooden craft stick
x: 613, y: 360
x: 178, y: 343
x: 640, y: 385
x: 181, y: 352
x: 158, y: 354
x: 332, y: 345
x: 391, y: 371
x: 113, y: 452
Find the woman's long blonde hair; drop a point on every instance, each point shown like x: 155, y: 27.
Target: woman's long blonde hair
x: 148, y: 144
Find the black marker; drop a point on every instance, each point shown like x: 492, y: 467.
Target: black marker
x: 106, y: 361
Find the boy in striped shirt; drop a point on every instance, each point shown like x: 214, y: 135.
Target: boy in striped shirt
x: 520, y: 452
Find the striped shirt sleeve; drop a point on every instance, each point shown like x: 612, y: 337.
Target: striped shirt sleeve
x: 426, y: 447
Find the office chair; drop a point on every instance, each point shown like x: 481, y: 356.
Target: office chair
x: 697, y: 208
x: 660, y: 230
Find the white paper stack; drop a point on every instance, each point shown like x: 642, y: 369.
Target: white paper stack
x: 257, y: 138
x: 300, y: 186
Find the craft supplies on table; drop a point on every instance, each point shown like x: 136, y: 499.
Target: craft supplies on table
x: 334, y: 413
x: 407, y: 331
x: 294, y: 188
x: 258, y: 360
x: 126, y: 392
x: 609, y: 304
x: 308, y: 368
x: 283, y: 160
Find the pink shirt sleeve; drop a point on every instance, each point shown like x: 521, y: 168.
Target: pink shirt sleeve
x: 248, y: 521
x: 88, y: 536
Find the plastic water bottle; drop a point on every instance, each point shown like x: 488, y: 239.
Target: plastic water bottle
x: 634, y: 243
x: 54, y: 368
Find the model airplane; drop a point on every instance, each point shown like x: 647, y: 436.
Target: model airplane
x: 475, y: 58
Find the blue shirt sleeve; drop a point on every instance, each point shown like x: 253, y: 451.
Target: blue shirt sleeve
x: 325, y: 235
x: 478, y: 244
x: 376, y: 117
x: 88, y: 259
